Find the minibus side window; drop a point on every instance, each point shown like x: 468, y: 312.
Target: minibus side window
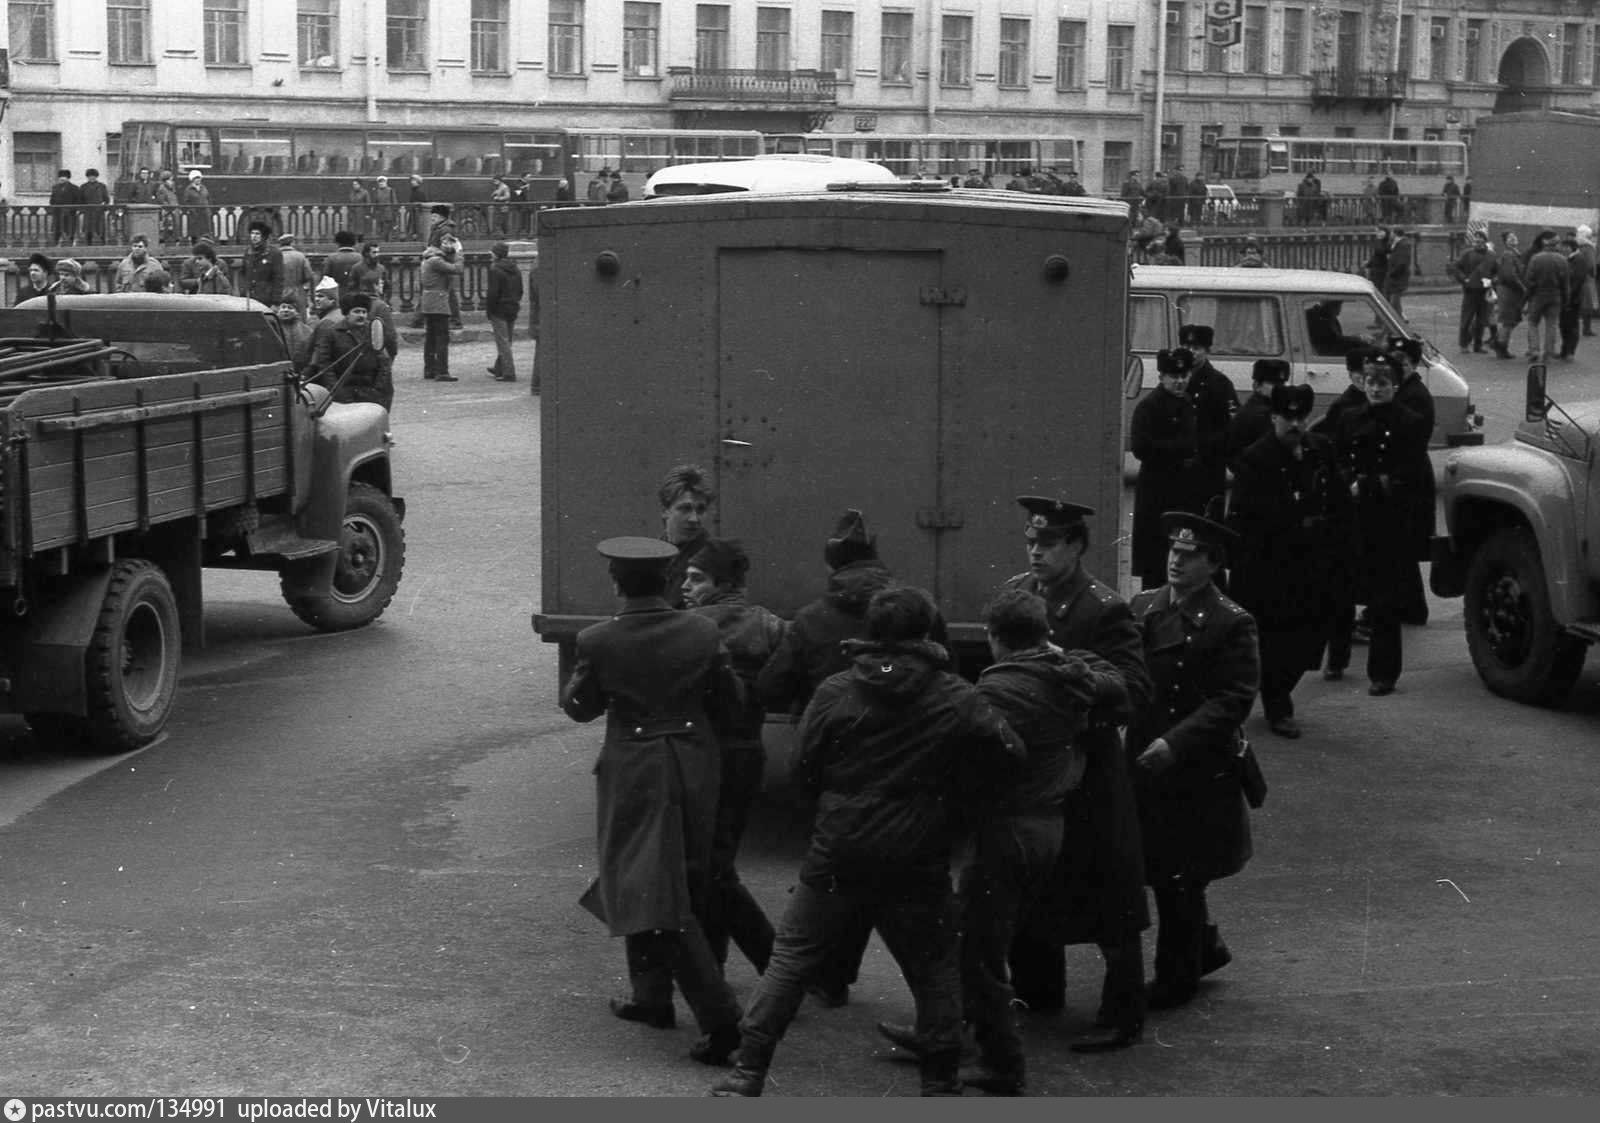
x: 1244, y: 325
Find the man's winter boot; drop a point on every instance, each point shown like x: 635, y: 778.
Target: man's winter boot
x: 750, y: 1063
x: 941, y: 1073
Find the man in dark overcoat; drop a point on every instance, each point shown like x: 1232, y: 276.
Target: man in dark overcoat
x: 1341, y: 622
x: 1215, y: 402
x: 1290, y: 509
x: 896, y: 751
x: 664, y: 682
x: 1096, y: 895
x: 344, y: 360
x: 64, y: 200
x: 1163, y: 439
x: 1200, y: 648
x: 262, y: 266
x: 1412, y: 393
x: 1254, y: 419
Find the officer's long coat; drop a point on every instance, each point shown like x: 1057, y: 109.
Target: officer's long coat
x: 1097, y: 894
x: 1205, y: 670
x: 664, y: 682
x: 1377, y: 450
x: 1164, y: 440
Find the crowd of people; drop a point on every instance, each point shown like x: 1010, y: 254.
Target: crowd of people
x: 1099, y: 753
x: 1550, y: 287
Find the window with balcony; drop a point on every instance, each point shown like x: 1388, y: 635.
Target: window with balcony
x: 1072, y: 36
x: 317, y: 32
x: 225, y: 23
x: 772, y: 39
x: 33, y: 38
x: 955, y: 51
x: 1255, y: 39
x: 641, y: 40
x: 566, y: 37
x: 1294, y: 41
x: 711, y: 37
x: 491, y: 23
x: 1472, y: 59
x: 1119, y: 58
x: 407, y: 28
x: 1014, y: 64
x: 35, y: 156
x: 128, y: 32
x: 1571, y: 43
x: 895, y: 45
x: 838, y: 44
x: 1177, y: 46
x: 1439, y: 48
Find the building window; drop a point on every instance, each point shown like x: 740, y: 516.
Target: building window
x: 955, y: 51
x: 1071, y: 38
x: 317, y: 24
x: 1472, y: 61
x: 1294, y: 41
x: 772, y: 39
x: 838, y: 44
x: 408, y: 35
x: 1177, y: 43
x: 36, y: 156
x: 127, y: 32
x: 225, y: 27
x: 1255, y: 39
x: 1119, y: 57
x: 1014, y: 65
x: 111, y: 171
x: 895, y: 44
x: 1216, y: 61
x: 641, y: 40
x: 1439, y: 48
x: 490, y: 21
x: 566, y: 36
x: 1115, y: 163
x: 33, y: 36
x: 1408, y: 45
x: 711, y: 37
x: 1571, y: 41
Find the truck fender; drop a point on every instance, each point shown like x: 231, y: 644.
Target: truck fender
x: 349, y: 436
x: 55, y: 638
x: 1537, y: 494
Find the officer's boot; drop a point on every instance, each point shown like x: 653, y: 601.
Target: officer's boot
x: 1214, y: 951
x: 750, y: 1064
x: 941, y: 1073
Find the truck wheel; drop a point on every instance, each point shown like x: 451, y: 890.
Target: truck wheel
x: 372, y: 554
x: 1516, y: 643
x: 132, y: 662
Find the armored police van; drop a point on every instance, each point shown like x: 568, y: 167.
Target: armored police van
x: 920, y: 353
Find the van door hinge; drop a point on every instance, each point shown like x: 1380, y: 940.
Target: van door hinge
x: 939, y: 518
x: 932, y: 294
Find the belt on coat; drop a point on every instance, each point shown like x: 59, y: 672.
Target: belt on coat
x: 659, y: 725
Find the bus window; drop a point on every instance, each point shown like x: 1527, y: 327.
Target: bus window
x: 1147, y: 323
x: 196, y: 148
x: 599, y: 150
x: 646, y: 154
x: 144, y: 146
x: 1010, y: 155
x: 1245, y: 325
x: 400, y: 153
x: 1062, y: 155
x: 329, y: 151
x: 741, y: 147
x: 465, y: 153
x: 242, y: 151
x: 535, y: 153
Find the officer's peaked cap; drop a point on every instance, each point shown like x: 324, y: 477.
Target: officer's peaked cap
x: 1046, y: 515
x: 637, y: 553
x: 1189, y: 532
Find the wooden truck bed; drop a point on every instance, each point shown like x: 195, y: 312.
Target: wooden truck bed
x: 84, y: 461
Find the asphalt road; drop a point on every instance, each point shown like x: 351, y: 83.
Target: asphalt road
x: 352, y: 864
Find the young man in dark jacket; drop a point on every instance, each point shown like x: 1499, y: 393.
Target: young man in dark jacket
x: 894, y: 750
x: 262, y: 266
x: 503, y: 302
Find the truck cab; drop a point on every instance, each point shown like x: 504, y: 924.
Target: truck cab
x: 1522, y: 546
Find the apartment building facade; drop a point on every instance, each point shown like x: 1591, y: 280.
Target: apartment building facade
x: 1136, y: 84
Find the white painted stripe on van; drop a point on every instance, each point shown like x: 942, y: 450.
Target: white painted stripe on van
x: 1529, y: 214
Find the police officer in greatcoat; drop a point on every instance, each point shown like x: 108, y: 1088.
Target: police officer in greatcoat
x: 1341, y: 623
x: 1215, y: 402
x: 1254, y: 419
x: 1289, y: 507
x: 665, y: 684
x: 1200, y: 649
x: 1097, y: 892
x: 1164, y: 439
x: 1412, y: 392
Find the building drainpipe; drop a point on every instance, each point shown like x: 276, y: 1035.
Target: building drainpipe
x: 375, y: 37
x: 1161, y: 84
x: 933, y: 68
x: 1394, y: 65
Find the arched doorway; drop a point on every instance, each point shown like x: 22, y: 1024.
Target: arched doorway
x: 1524, y: 77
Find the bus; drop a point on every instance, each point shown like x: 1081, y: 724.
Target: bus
x: 1536, y: 169
x: 941, y: 155
x: 257, y: 162
x: 1269, y: 165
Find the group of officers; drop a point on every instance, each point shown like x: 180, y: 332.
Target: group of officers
x: 1331, y: 514
x: 1097, y: 754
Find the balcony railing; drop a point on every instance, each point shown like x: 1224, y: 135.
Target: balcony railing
x: 757, y: 87
x: 1358, y: 85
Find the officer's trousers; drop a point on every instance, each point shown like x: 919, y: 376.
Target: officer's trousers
x: 1180, y: 935
x: 657, y: 960
x: 731, y: 912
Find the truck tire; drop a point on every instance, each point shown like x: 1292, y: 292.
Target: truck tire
x: 1516, y: 643
x: 131, y: 666
x: 372, y: 554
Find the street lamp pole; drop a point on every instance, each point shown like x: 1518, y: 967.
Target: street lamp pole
x: 1161, y: 82
x: 1394, y: 66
